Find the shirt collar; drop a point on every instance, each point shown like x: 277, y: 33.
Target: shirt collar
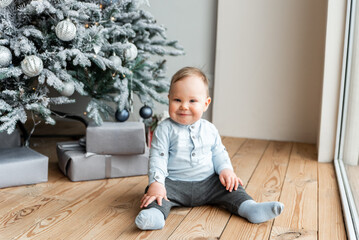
x: 195, y: 125
x: 191, y: 126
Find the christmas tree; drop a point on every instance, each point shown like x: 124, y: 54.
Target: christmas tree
x: 107, y: 50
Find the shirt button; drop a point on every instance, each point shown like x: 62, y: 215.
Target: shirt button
x: 192, y: 127
x: 162, y: 154
x: 193, y: 154
x: 193, y: 137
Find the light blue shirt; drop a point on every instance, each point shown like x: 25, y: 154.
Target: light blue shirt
x: 186, y: 152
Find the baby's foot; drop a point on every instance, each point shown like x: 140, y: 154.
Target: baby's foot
x: 260, y: 212
x: 150, y: 219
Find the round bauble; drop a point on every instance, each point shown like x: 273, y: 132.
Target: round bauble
x: 5, y: 3
x: 145, y: 112
x: 116, y: 61
x: 131, y: 52
x: 32, y: 66
x: 122, y: 116
x: 68, y: 90
x: 65, y: 30
x: 5, y: 56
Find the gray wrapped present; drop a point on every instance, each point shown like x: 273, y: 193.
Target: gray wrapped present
x: 10, y: 140
x: 21, y: 166
x: 116, y: 138
x: 78, y: 165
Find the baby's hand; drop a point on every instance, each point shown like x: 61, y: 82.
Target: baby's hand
x: 156, y: 191
x: 230, y: 180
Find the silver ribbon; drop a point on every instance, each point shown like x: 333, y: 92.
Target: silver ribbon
x: 108, y: 166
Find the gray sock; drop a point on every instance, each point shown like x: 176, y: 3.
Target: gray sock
x: 260, y: 212
x: 150, y: 219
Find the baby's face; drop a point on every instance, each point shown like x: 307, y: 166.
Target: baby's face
x: 188, y: 100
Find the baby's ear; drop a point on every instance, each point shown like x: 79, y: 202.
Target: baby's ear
x: 207, y: 102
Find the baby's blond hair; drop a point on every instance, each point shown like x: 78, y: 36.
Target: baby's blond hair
x: 187, y: 72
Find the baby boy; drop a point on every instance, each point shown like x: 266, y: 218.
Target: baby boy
x: 189, y: 166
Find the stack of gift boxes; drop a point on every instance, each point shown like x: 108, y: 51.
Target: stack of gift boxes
x: 111, y: 150
x: 20, y: 165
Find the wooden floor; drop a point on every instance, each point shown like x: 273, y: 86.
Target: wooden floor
x: 105, y: 209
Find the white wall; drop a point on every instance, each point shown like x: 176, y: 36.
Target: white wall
x: 193, y: 24
x: 269, y: 68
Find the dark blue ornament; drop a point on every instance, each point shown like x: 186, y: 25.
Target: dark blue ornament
x: 122, y: 116
x: 145, y: 112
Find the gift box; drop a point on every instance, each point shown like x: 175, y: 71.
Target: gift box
x: 78, y: 165
x: 22, y: 166
x: 10, y: 140
x: 116, y: 138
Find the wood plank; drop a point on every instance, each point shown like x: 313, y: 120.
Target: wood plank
x: 59, y: 187
x: 31, y: 203
x: 8, y: 202
x: 331, y: 222
x: 26, y: 212
x: 115, y: 217
x: 247, y: 158
x: 205, y: 222
x: 232, y: 144
x: 75, y: 215
x: 265, y: 185
x: 299, y: 195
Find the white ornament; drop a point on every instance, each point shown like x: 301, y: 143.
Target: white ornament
x: 32, y: 66
x: 131, y: 52
x: 5, y: 3
x: 68, y: 90
x: 5, y: 56
x: 65, y: 30
x: 116, y: 61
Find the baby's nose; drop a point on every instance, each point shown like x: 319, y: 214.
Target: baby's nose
x: 184, y: 106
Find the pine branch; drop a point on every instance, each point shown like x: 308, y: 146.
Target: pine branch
x: 28, y: 28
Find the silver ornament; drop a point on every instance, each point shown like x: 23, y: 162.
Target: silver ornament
x: 5, y: 3
x: 5, y: 56
x: 116, y: 61
x: 131, y: 52
x: 65, y: 30
x: 32, y: 66
x: 68, y: 90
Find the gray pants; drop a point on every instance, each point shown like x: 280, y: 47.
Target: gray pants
x: 209, y: 191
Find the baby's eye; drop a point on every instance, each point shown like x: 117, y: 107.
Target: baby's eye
x: 177, y: 100
x: 193, y: 100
